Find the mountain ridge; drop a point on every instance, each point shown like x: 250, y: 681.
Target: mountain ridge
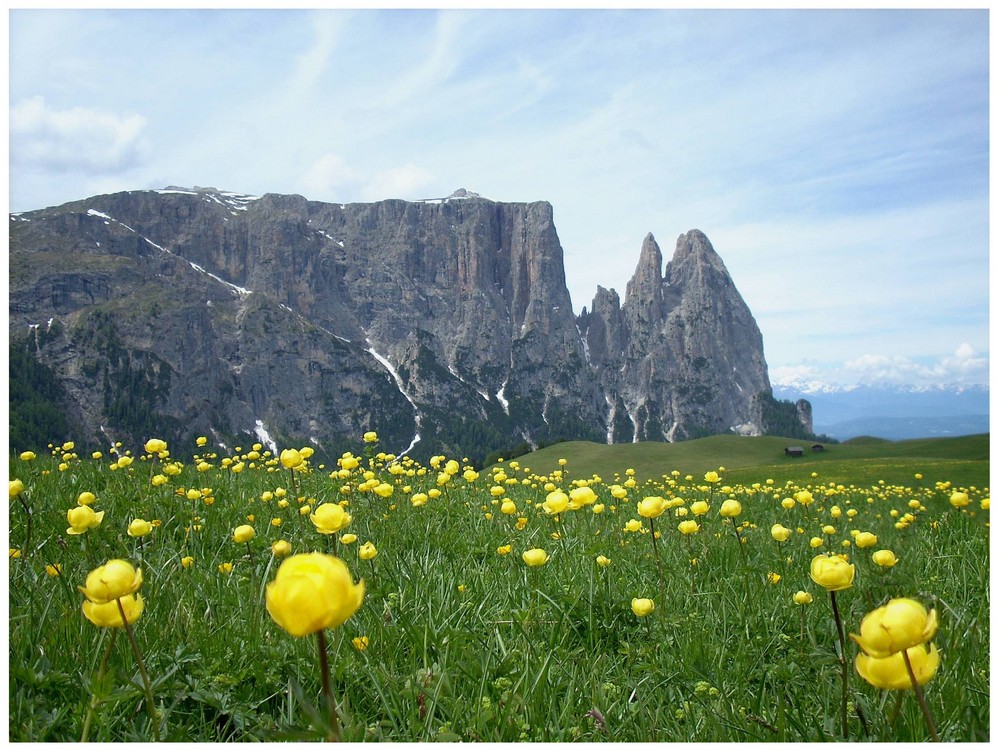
x: 444, y: 324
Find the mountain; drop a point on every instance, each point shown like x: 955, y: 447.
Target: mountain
x: 445, y: 325
x: 894, y: 412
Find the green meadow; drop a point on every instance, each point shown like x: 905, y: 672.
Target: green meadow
x: 624, y: 629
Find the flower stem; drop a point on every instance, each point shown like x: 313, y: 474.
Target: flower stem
x: 843, y: 664
x: 150, y: 706
x: 918, y: 691
x: 94, y: 700
x: 324, y: 669
x: 27, y: 536
x: 659, y: 564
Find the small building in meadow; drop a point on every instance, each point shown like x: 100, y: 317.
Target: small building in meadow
x: 794, y: 450
x: 817, y: 448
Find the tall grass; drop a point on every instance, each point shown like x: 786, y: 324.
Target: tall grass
x: 467, y: 643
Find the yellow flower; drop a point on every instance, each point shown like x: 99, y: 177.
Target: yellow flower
x: 803, y: 497
x: 311, y: 592
x: 107, y: 615
x: 243, y: 534
x: 201, y: 441
x: 348, y: 538
x: 884, y: 558
x: 290, y: 458
x: 829, y: 530
x: 651, y: 507
x: 899, y: 624
x: 711, y: 477
x: 114, y: 579
x: 890, y: 672
x: 383, y: 489
x: 688, y: 527
x: 329, y: 518
x: 371, y: 437
x: 13, y: 553
x: 534, y: 557
x: 225, y: 568
x: 787, y: 503
x: 582, y: 496
x: 367, y: 551
x: 959, y: 499
x: 81, y: 518
x: 360, y: 643
x: 155, y: 446
x: 699, y: 507
x: 85, y: 498
x: 730, y: 508
x: 603, y: 561
x: 53, y: 570
x: 633, y: 524
x: 802, y: 597
x: 281, y: 548
x: 187, y: 562
x: 123, y: 462
x: 815, y: 542
x: 865, y: 539
x: 779, y: 533
x: 139, y: 528
x: 555, y: 502
x: 418, y: 499
x: 832, y: 573
x: 773, y: 577
x: 504, y: 550
x: 643, y: 607
x: 28, y: 456
x: 158, y: 480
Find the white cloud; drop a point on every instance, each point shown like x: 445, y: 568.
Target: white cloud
x: 399, y: 182
x: 74, y: 140
x: 964, y: 366
x: 325, y: 176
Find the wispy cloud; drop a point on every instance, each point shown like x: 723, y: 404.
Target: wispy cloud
x: 78, y: 139
x: 838, y: 160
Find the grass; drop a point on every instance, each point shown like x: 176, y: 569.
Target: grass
x: 961, y: 460
x: 466, y: 643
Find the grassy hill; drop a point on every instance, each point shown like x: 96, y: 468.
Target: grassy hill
x: 963, y: 461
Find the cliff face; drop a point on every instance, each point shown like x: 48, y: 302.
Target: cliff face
x: 444, y: 325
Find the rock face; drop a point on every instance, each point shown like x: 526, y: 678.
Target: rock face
x: 682, y: 357
x: 445, y: 325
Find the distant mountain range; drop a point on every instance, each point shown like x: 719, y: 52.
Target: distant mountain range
x: 894, y: 412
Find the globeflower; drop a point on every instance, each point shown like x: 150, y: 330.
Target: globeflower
x: 534, y: 557
x: 959, y: 499
x: 779, y: 533
x: 582, y: 496
x: 139, y: 528
x: 884, y: 558
x: 688, y: 527
x: 730, y: 508
x: 370, y: 437
x: 290, y: 458
x: 16, y: 488
x: 643, y: 607
x: 865, y: 539
x: 281, y: 548
x: 28, y: 456
x: 113, y: 580
x: 651, y: 507
x: 311, y: 592
x: 243, y: 534
x: 890, y: 673
x: 712, y: 477
x: 555, y: 502
x: 107, y: 615
x: 367, y: 551
x: 699, y: 507
x: 155, y: 446
x: 900, y: 624
x: 603, y: 561
x: 832, y: 573
x: 81, y: 518
x: 802, y: 597
x: 329, y: 518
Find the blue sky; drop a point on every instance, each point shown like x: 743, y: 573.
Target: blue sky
x: 837, y: 160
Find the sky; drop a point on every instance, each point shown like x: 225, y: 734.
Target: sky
x: 837, y: 160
